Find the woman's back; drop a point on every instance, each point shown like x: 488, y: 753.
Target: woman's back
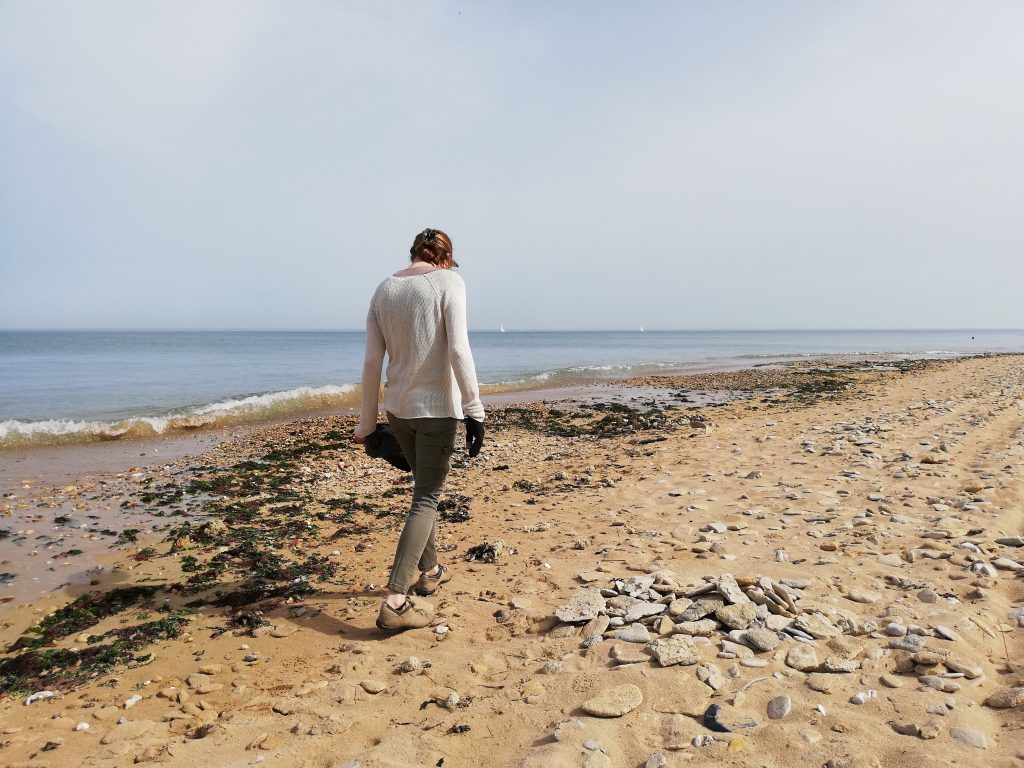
x: 421, y: 321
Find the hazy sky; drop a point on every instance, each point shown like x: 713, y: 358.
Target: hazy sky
x: 598, y: 164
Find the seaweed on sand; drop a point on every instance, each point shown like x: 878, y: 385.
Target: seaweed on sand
x: 61, y: 669
x: 594, y: 420
x: 84, y: 612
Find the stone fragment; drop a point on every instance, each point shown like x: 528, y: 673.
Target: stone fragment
x: 930, y: 730
x: 634, y: 633
x: 802, y: 657
x: 837, y: 664
x: 891, y: 681
x: 677, y: 649
x: 584, y: 605
x: 712, y: 719
x: 596, y: 626
x: 615, y: 701
x: 1007, y: 698
x: 779, y: 707
x: 736, y: 616
x: 730, y: 590
x: 761, y: 639
x: 641, y: 609
x: 970, y: 671
x: 373, y: 686
x: 863, y: 596
x: 822, y: 683
x: 411, y: 664
x: 971, y: 738
x: 699, y: 628
x: 912, y: 643
x: 712, y: 676
x: 905, y: 728
x: 816, y: 625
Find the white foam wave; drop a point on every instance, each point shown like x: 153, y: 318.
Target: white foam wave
x: 16, y: 433
x: 254, y: 403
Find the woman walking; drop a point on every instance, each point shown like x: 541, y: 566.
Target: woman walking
x: 418, y: 318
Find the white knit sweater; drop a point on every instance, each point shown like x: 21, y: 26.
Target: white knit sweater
x: 420, y: 322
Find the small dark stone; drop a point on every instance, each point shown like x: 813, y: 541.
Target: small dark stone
x: 711, y: 721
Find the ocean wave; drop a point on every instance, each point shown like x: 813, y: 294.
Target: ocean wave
x: 15, y: 433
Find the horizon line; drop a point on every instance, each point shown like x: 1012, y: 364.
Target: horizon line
x: 506, y: 330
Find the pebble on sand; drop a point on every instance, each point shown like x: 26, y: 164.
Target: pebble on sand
x: 615, y: 701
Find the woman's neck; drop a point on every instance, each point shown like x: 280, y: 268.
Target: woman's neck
x: 418, y: 268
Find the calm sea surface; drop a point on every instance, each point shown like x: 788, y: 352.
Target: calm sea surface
x: 58, y: 386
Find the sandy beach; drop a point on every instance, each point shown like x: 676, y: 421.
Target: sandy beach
x: 814, y: 564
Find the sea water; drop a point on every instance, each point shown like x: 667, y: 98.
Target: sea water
x: 71, y: 386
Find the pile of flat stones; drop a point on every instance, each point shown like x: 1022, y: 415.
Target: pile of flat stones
x: 748, y: 616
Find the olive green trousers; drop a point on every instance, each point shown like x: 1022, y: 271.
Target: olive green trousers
x: 428, y: 445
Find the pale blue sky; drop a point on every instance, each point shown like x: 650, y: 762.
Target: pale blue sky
x: 598, y: 164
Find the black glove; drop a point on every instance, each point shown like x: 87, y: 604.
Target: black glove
x: 474, y: 436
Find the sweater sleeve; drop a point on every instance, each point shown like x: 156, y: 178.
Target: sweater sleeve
x: 459, y: 354
x: 372, y: 364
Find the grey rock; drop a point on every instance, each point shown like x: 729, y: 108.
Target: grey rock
x: 761, y: 639
x: 641, y: 609
x: 657, y: 760
x: 912, y: 643
x: 634, y: 633
x: 730, y: 590
x: 939, y: 683
x: 712, y: 676
x: 779, y: 707
x: 971, y: 738
x: 816, y: 625
x: 584, y: 605
x: 863, y: 596
x: 712, y: 722
x: 1006, y: 564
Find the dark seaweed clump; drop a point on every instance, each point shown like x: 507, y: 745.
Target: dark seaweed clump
x: 86, y: 611
x: 588, y: 420
x: 61, y: 669
x: 454, y: 508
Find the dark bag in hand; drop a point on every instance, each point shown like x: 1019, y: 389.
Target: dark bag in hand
x: 383, y: 444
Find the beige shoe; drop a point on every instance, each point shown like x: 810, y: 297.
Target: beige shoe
x: 410, y: 616
x: 428, y: 585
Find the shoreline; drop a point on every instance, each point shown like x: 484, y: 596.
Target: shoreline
x: 847, y: 471
x: 57, y: 462
x: 20, y: 438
